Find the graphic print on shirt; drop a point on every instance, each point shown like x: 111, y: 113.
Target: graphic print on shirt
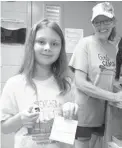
x: 106, y: 61
x: 48, y: 109
x: 104, y: 78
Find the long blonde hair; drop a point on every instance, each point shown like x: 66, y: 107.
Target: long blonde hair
x: 59, y: 67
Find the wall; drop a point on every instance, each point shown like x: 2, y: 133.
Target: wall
x: 118, y: 12
x: 11, y: 59
x: 37, y: 11
x: 70, y: 14
x: 76, y: 14
x: 0, y: 69
x: 11, y: 55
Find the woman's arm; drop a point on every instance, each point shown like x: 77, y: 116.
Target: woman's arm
x: 91, y: 90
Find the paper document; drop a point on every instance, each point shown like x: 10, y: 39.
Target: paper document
x: 72, y: 37
x: 63, y: 130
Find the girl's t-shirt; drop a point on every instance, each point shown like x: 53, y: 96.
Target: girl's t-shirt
x: 89, y: 56
x: 17, y: 96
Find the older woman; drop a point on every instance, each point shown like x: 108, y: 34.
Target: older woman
x: 93, y: 63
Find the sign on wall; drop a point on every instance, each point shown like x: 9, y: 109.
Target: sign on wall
x: 53, y: 13
x: 72, y: 36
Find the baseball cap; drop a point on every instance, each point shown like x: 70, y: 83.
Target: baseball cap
x: 104, y: 8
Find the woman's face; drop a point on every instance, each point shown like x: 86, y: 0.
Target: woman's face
x: 47, y: 46
x: 103, y: 26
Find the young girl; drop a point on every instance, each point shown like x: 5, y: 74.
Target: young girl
x: 41, y: 82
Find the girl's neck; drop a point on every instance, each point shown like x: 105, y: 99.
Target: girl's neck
x: 42, y: 72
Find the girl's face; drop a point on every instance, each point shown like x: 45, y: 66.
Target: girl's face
x: 47, y: 46
x: 103, y: 26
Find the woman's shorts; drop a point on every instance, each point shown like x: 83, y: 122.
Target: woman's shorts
x: 86, y: 132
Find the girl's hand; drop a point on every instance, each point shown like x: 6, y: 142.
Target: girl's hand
x: 69, y: 110
x: 41, y: 138
x: 28, y: 118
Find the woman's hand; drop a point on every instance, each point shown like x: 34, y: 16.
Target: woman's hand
x: 69, y: 110
x: 28, y: 118
x: 118, y: 96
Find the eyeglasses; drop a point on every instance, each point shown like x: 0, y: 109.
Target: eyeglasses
x: 106, y: 22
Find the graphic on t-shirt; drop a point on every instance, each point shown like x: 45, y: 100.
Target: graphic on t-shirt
x: 47, y: 104
x: 106, y: 61
x: 105, y: 77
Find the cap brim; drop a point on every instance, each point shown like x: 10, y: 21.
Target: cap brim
x: 105, y: 14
